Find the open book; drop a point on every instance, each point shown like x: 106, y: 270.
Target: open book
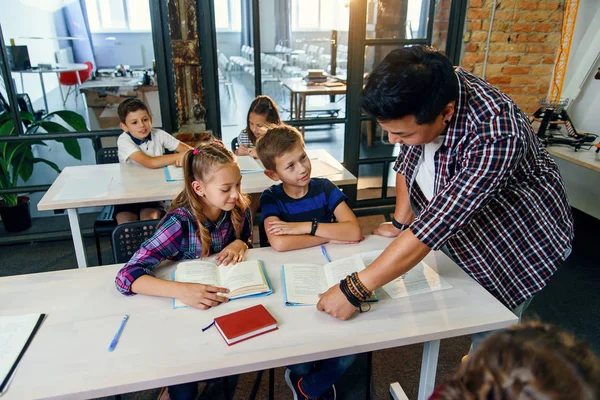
x: 244, y: 279
x: 248, y: 165
x: 420, y: 279
x: 302, y: 283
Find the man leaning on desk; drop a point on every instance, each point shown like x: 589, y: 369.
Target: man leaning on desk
x: 472, y: 180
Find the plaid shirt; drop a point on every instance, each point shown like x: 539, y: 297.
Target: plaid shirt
x: 177, y: 238
x: 499, y: 203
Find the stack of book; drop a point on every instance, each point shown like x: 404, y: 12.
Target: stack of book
x: 315, y: 77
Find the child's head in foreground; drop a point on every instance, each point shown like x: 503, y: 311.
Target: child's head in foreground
x: 135, y: 117
x: 528, y: 361
x: 281, y: 150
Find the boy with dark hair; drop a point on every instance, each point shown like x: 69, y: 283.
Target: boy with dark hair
x: 301, y: 212
x: 142, y: 144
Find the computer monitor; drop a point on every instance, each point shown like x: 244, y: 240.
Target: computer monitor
x: 18, y: 57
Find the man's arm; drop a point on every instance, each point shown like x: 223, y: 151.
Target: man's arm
x: 403, y: 212
x: 291, y: 242
x: 156, y: 161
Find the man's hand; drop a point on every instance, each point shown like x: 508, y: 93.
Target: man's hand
x: 334, y: 303
x: 201, y: 296
x: 289, y: 228
x: 233, y: 253
x: 386, y: 229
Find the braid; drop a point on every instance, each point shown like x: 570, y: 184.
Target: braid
x: 198, y: 164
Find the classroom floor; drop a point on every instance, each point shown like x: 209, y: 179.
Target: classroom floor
x: 570, y: 300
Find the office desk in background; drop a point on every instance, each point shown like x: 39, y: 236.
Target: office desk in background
x: 69, y: 357
x: 56, y: 69
x: 111, y: 184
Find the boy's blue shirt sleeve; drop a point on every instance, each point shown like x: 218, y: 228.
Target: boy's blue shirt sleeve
x: 268, y: 204
x: 333, y: 194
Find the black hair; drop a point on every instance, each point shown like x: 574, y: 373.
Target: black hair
x: 417, y: 80
x: 262, y: 105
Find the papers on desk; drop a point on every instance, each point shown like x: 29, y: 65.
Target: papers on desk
x: 421, y: 279
x: 85, y: 188
x: 248, y: 165
x: 16, y: 333
x: 323, y: 169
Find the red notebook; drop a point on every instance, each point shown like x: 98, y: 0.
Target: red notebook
x: 245, y: 324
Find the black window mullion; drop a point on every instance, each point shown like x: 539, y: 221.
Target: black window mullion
x: 11, y: 90
x: 256, y: 45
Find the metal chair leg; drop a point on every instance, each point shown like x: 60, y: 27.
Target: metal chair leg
x: 256, y: 385
x: 271, y: 383
x: 368, y: 380
x: 98, y: 250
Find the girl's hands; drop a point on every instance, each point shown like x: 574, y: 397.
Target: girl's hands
x: 242, y: 151
x: 233, y: 253
x: 289, y: 228
x: 201, y: 296
x: 252, y: 153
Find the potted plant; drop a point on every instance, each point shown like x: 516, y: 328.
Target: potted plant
x: 17, y: 160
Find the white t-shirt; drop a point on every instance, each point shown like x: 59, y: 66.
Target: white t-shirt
x: 160, y: 141
x: 426, y: 169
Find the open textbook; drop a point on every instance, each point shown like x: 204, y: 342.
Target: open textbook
x: 248, y: 165
x: 420, y: 279
x: 302, y: 283
x: 244, y: 279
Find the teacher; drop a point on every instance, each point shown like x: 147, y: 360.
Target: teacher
x: 472, y: 179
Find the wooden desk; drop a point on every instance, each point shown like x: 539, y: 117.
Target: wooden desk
x: 585, y: 158
x: 299, y: 91
x: 111, y: 184
x: 160, y: 346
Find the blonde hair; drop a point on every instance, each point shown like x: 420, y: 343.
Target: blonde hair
x: 198, y: 165
x: 528, y: 361
x: 278, y: 140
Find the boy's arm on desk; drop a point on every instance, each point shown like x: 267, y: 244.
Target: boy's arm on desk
x: 346, y: 228
x: 156, y: 161
x: 291, y: 242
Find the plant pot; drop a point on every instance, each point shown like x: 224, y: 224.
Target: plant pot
x: 17, y: 218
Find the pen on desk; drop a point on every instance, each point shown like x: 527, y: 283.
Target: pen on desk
x: 115, y: 340
x: 325, y: 253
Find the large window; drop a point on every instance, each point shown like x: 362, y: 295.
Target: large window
x: 118, y: 15
x: 330, y: 15
x: 228, y: 15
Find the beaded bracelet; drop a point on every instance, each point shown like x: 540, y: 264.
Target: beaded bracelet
x: 360, y: 286
x: 353, y: 289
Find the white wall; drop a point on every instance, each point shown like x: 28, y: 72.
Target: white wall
x: 18, y: 20
x: 121, y: 44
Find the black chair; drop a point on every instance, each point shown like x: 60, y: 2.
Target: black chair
x: 105, y: 222
x: 235, y: 144
x: 127, y: 238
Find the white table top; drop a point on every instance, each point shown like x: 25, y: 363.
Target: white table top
x: 111, y: 184
x: 160, y: 346
x: 55, y: 68
x: 585, y: 158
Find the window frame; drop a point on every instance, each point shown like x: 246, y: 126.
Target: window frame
x: 230, y: 26
x: 127, y: 28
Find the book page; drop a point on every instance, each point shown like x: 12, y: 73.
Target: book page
x: 245, y: 275
x: 421, y: 279
x: 337, y: 270
x: 321, y: 169
x: 175, y: 173
x: 197, y: 272
x: 14, y: 333
x: 369, y: 256
x: 304, y: 283
x: 249, y: 164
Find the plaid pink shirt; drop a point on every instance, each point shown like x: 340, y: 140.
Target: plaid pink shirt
x: 499, y: 203
x: 177, y: 238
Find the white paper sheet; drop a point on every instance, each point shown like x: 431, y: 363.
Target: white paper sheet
x: 421, y: 279
x: 248, y: 164
x: 88, y: 188
x: 322, y: 169
x: 14, y: 333
x: 175, y: 173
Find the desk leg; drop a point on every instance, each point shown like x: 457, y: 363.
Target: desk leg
x: 431, y: 350
x: 22, y: 84
x: 303, y: 115
x: 62, y: 96
x: 77, y: 238
x: 44, y: 92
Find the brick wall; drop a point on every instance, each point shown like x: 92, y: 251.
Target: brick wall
x: 524, y: 42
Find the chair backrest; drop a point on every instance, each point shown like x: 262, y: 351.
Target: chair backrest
x: 69, y: 78
x: 107, y: 155
x: 235, y: 144
x: 128, y: 237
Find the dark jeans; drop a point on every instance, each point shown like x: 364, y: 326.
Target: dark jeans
x: 184, y: 391
x: 318, y: 376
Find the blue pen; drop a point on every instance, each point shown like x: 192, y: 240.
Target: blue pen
x: 325, y: 253
x: 113, y: 343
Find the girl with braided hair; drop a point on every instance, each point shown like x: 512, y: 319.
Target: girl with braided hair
x: 532, y: 361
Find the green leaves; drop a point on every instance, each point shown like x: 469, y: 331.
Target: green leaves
x: 74, y: 120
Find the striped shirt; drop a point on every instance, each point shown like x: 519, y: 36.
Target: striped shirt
x: 176, y: 238
x: 499, y: 204
x: 244, y: 140
x: 319, y: 202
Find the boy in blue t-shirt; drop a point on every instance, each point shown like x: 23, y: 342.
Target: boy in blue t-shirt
x: 298, y: 213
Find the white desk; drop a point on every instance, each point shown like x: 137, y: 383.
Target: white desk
x: 111, y: 184
x: 160, y: 346
x: 57, y: 69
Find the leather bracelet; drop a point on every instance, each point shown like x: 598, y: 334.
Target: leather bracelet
x: 313, y: 228
x: 398, y: 225
x: 349, y: 296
